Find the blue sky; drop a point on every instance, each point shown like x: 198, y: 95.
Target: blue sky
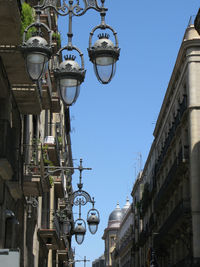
x: 113, y: 124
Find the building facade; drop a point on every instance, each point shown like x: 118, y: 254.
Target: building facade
x: 100, y: 262
x: 117, y: 234
x: 124, y: 241
x: 34, y: 143
x: 170, y: 203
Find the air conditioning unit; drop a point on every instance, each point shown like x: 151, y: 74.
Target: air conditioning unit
x: 9, y: 257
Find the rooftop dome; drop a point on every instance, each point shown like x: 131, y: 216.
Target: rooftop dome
x: 116, y: 214
x: 126, y: 206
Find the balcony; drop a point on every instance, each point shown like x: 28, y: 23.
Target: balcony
x: 142, y: 237
x: 178, y: 167
x: 14, y: 64
x: 146, y: 199
x: 10, y: 21
x: 51, y: 147
x: 32, y: 180
x: 51, y: 236
x: 151, y: 222
x: 15, y: 185
x: 173, y: 221
x: 55, y: 103
x: 28, y: 98
x: 62, y: 204
x: 59, y: 186
x: 177, y: 119
x: 4, y: 82
x: 62, y: 255
x: 63, y: 243
x: 46, y: 97
x: 35, y: 181
x: 6, y: 150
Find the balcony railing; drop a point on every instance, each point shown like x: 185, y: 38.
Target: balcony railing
x: 172, y: 176
x: 179, y: 213
x: 7, y: 151
x: 35, y: 180
x: 55, y: 104
x: 128, y: 240
x: 10, y: 21
x: 51, y: 147
x: 171, y: 134
x: 59, y: 182
x: 151, y: 222
x: 142, y: 237
x: 152, y: 184
x: 51, y: 233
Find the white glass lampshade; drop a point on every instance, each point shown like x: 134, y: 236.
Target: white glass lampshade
x: 36, y: 63
x: 69, y: 89
x: 93, y: 228
x: 79, y: 238
x: 93, y: 221
x: 79, y: 233
x: 105, y: 68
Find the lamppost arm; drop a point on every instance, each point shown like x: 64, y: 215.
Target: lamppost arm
x: 76, y: 9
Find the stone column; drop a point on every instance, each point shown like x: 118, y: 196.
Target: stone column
x: 193, y: 57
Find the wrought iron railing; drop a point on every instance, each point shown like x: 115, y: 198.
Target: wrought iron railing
x: 171, y: 134
x: 47, y: 216
x: 161, y: 194
x: 32, y: 157
x: 182, y: 209
x: 7, y: 146
x: 151, y: 222
x: 171, y: 176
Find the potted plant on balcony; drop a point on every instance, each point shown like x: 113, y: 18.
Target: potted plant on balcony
x: 27, y: 18
x: 34, y: 153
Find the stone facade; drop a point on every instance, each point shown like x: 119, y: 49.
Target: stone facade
x: 169, y: 211
x: 34, y: 136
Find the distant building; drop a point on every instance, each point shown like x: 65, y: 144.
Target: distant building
x: 111, y: 232
x: 122, y: 256
x: 100, y: 262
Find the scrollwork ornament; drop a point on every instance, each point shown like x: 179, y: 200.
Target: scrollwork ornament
x: 80, y: 198
x: 80, y: 201
x: 79, y: 10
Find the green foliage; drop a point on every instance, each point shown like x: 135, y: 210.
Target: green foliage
x: 27, y: 18
x: 45, y: 156
x: 56, y: 36
x: 35, y: 148
x: 51, y: 180
x: 60, y: 140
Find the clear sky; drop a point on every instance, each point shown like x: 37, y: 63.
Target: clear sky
x: 113, y: 124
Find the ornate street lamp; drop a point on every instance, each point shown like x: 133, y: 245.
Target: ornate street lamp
x: 81, y: 198
x: 93, y: 220
x: 78, y: 198
x: 36, y: 49
x: 69, y: 75
x: 104, y: 54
